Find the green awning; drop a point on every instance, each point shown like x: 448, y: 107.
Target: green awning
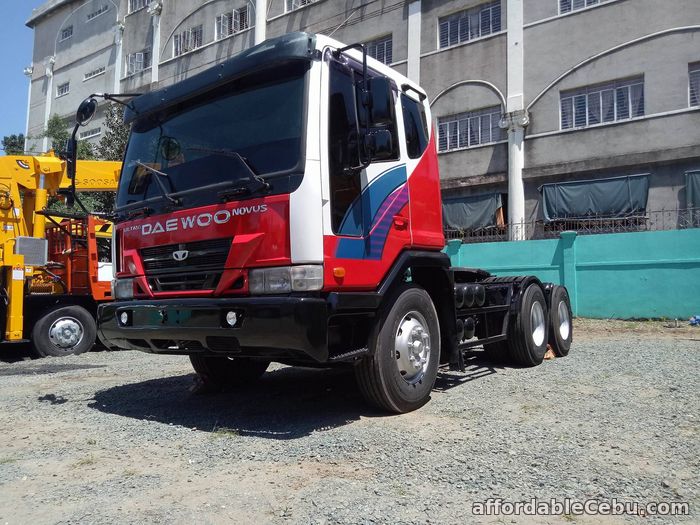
x: 692, y: 189
x: 624, y: 196
x: 470, y: 212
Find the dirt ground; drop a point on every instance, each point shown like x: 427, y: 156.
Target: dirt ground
x: 111, y: 437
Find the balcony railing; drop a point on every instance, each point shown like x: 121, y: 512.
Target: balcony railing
x: 675, y: 219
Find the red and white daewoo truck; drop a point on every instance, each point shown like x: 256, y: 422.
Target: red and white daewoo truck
x: 285, y: 206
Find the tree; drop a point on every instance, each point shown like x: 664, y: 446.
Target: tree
x: 13, y: 144
x: 113, y: 142
x: 58, y: 135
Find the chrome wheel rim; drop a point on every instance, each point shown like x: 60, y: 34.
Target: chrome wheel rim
x: 564, y: 320
x: 412, y: 347
x: 537, y: 323
x: 66, y: 333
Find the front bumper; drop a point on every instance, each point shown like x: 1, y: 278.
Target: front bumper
x: 275, y: 327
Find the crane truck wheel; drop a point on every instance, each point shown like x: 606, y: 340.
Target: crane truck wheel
x: 560, y: 324
x: 527, y: 334
x: 218, y: 372
x: 400, y: 373
x: 64, y: 331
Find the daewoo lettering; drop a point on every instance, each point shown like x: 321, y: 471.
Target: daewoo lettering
x: 202, y: 220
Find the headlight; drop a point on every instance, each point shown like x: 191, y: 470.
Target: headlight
x: 285, y: 279
x: 123, y: 288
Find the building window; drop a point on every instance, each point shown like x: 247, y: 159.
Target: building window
x: 188, y: 40
x: 470, y: 129
x: 694, y: 84
x: 381, y: 49
x: 228, y: 24
x: 95, y: 14
x: 88, y: 134
x: 66, y: 33
x: 619, y: 100
x: 94, y: 73
x: 136, y: 62
x: 135, y: 5
x: 566, y: 6
x: 291, y: 5
x: 470, y: 24
x: 63, y: 89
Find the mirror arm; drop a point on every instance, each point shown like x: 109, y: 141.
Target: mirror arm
x: 114, y: 97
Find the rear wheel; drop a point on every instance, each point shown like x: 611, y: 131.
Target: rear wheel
x: 218, y: 372
x: 64, y: 331
x: 401, y: 372
x: 560, y: 325
x: 527, y: 335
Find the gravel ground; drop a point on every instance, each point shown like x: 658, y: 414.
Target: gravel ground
x: 112, y: 437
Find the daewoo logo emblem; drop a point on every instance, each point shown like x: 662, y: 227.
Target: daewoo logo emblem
x: 180, y: 255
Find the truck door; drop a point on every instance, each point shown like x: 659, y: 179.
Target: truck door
x: 368, y: 211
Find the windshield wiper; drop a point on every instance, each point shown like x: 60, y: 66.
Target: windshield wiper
x: 262, y: 184
x: 175, y: 201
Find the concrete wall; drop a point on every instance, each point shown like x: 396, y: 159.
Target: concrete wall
x: 623, y: 275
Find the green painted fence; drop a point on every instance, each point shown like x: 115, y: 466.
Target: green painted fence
x: 621, y: 275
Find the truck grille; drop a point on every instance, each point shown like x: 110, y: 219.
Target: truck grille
x: 184, y: 281
x: 199, y: 255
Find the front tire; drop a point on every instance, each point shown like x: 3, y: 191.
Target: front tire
x: 405, y: 343
x: 62, y: 331
x: 218, y: 372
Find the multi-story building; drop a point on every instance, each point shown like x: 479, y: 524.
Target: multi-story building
x: 543, y: 109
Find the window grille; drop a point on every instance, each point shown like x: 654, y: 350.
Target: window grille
x: 188, y: 40
x: 66, y: 33
x: 566, y: 6
x: 611, y: 102
x: 94, y: 73
x: 694, y: 84
x: 470, y: 24
x: 228, y: 24
x: 136, y: 62
x: 381, y: 49
x: 63, y: 89
x: 470, y: 129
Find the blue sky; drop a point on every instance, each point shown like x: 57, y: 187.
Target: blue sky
x: 16, y: 41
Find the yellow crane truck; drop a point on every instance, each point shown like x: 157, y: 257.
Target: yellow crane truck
x: 56, y: 267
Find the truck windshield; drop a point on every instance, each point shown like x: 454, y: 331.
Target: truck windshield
x: 235, y: 136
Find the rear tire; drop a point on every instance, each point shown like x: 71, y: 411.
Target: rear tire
x: 66, y: 330
x: 561, y: 329
x: 218, y: 372
x: 527, y: 334
x: 405, y: 343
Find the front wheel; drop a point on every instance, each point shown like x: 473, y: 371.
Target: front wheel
x: 64, y: 331
x: 405, y: 344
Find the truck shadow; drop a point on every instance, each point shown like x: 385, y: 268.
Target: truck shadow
x: 288, y: 403
x: 477, y: 366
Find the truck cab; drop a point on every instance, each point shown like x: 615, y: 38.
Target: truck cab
x: 285, y: 206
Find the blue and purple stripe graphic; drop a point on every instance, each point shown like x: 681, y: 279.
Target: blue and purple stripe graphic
x: 374, y: 212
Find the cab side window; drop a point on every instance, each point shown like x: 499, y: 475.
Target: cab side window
x: 345, y: 186
x: 415, y: 125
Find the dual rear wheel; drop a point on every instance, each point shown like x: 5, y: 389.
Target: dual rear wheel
x: 536, y: 325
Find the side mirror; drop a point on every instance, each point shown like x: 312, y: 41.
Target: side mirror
x: 381, y: 101
x: 380, y: 144
x: 86, y: 111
